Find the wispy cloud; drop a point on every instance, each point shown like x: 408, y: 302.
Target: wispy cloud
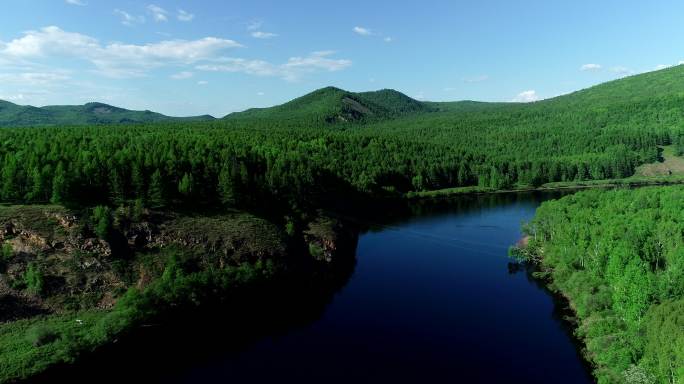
x: 590, y: 67
x: 115, y: 59
x: 34, y: 78
x: 202, y: 82
x: 158, y: 13
x: 292, y: 70
x: 184, y: 15
x: 526, y: 97
x: 362, y: 31
x: 127, y: 19
x: 182, y: 75
x: 662, y: 66
x: 76, y: 2
x: 388, y: 39
x: 263, y: 35
x: 254, y: 25
x: 622, y: 71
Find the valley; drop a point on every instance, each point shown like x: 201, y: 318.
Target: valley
x: 113, y: 225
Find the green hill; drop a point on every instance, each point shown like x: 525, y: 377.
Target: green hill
x: 13, y: 115
x: 334, y: 105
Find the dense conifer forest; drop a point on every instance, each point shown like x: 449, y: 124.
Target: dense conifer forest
x: 313, y: 146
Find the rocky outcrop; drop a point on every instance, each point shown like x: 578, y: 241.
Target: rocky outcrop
x: 330, y: 239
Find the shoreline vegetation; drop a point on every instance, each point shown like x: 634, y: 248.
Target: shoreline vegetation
x: 629, y: 182
x: 72, y: 284
x: 667, y: 170
x: 616, y: 257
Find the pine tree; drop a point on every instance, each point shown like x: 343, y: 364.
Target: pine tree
x: 59, y: 185
x: 155, y: 192
x: 226, y: 188
x: 37, y: 190
x: 185, y: 186
x: 116, y: 188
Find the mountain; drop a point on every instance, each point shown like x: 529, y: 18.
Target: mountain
x: 334, y: 105
x: 13, y: 115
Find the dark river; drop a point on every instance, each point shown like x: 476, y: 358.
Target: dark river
x: 432, y: 299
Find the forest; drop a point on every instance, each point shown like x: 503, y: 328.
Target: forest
x: 619, y: 259
x: 307, y: 148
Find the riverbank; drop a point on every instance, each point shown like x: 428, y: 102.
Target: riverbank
x: 668, y: 170
x: 67, y: 292
x: 630, y: 182
x: 623, y: 280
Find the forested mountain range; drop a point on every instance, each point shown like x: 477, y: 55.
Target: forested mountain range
x: 332, y: 141
x: 13, y: 115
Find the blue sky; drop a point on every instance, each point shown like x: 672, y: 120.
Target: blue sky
x: 187, y: 57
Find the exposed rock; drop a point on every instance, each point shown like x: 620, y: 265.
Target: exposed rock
x: 329, y: 239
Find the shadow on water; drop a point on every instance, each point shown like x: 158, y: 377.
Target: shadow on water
x: 158, y: 353
x: 562, y: 312
x: 398, y: 303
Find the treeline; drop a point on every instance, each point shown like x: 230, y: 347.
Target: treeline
x: 619, y: 258
x: 249, y: 161
x: 240, y: 164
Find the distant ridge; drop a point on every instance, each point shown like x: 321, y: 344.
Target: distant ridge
x: 13, y: 115
x: 334, y: 105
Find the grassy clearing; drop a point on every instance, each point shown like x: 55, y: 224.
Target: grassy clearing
x: 30, y: 346
x: 671, y: 165
x: 240, y: 232
x: 41, y: 219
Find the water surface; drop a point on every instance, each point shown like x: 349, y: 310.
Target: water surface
x: 432, y: 299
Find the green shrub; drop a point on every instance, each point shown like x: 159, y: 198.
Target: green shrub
x: 41, y: 335
x: 102, y: 219
x: 7, y: 252
x: 33, y: 278
x: 316, y: 251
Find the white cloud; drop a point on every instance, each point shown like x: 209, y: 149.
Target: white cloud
x: 116, y: 59
x: 158, y: 13
x: 128, y: 19
x: 420, y: 96
x: 260, y: 93
x: 362, y: 31
x: 251, y: 67
x: 292, y: 70
x: 263, y: 35
x: 76, y: 2
x: 388, y: 39
x: 662, y: 66
x: 476, y: 79
x: 202, y: 82
x: 182, y: 75
x: 590, y: 67
x: 526, y: 97
x: 184, y: 15
x: 48, y: 41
